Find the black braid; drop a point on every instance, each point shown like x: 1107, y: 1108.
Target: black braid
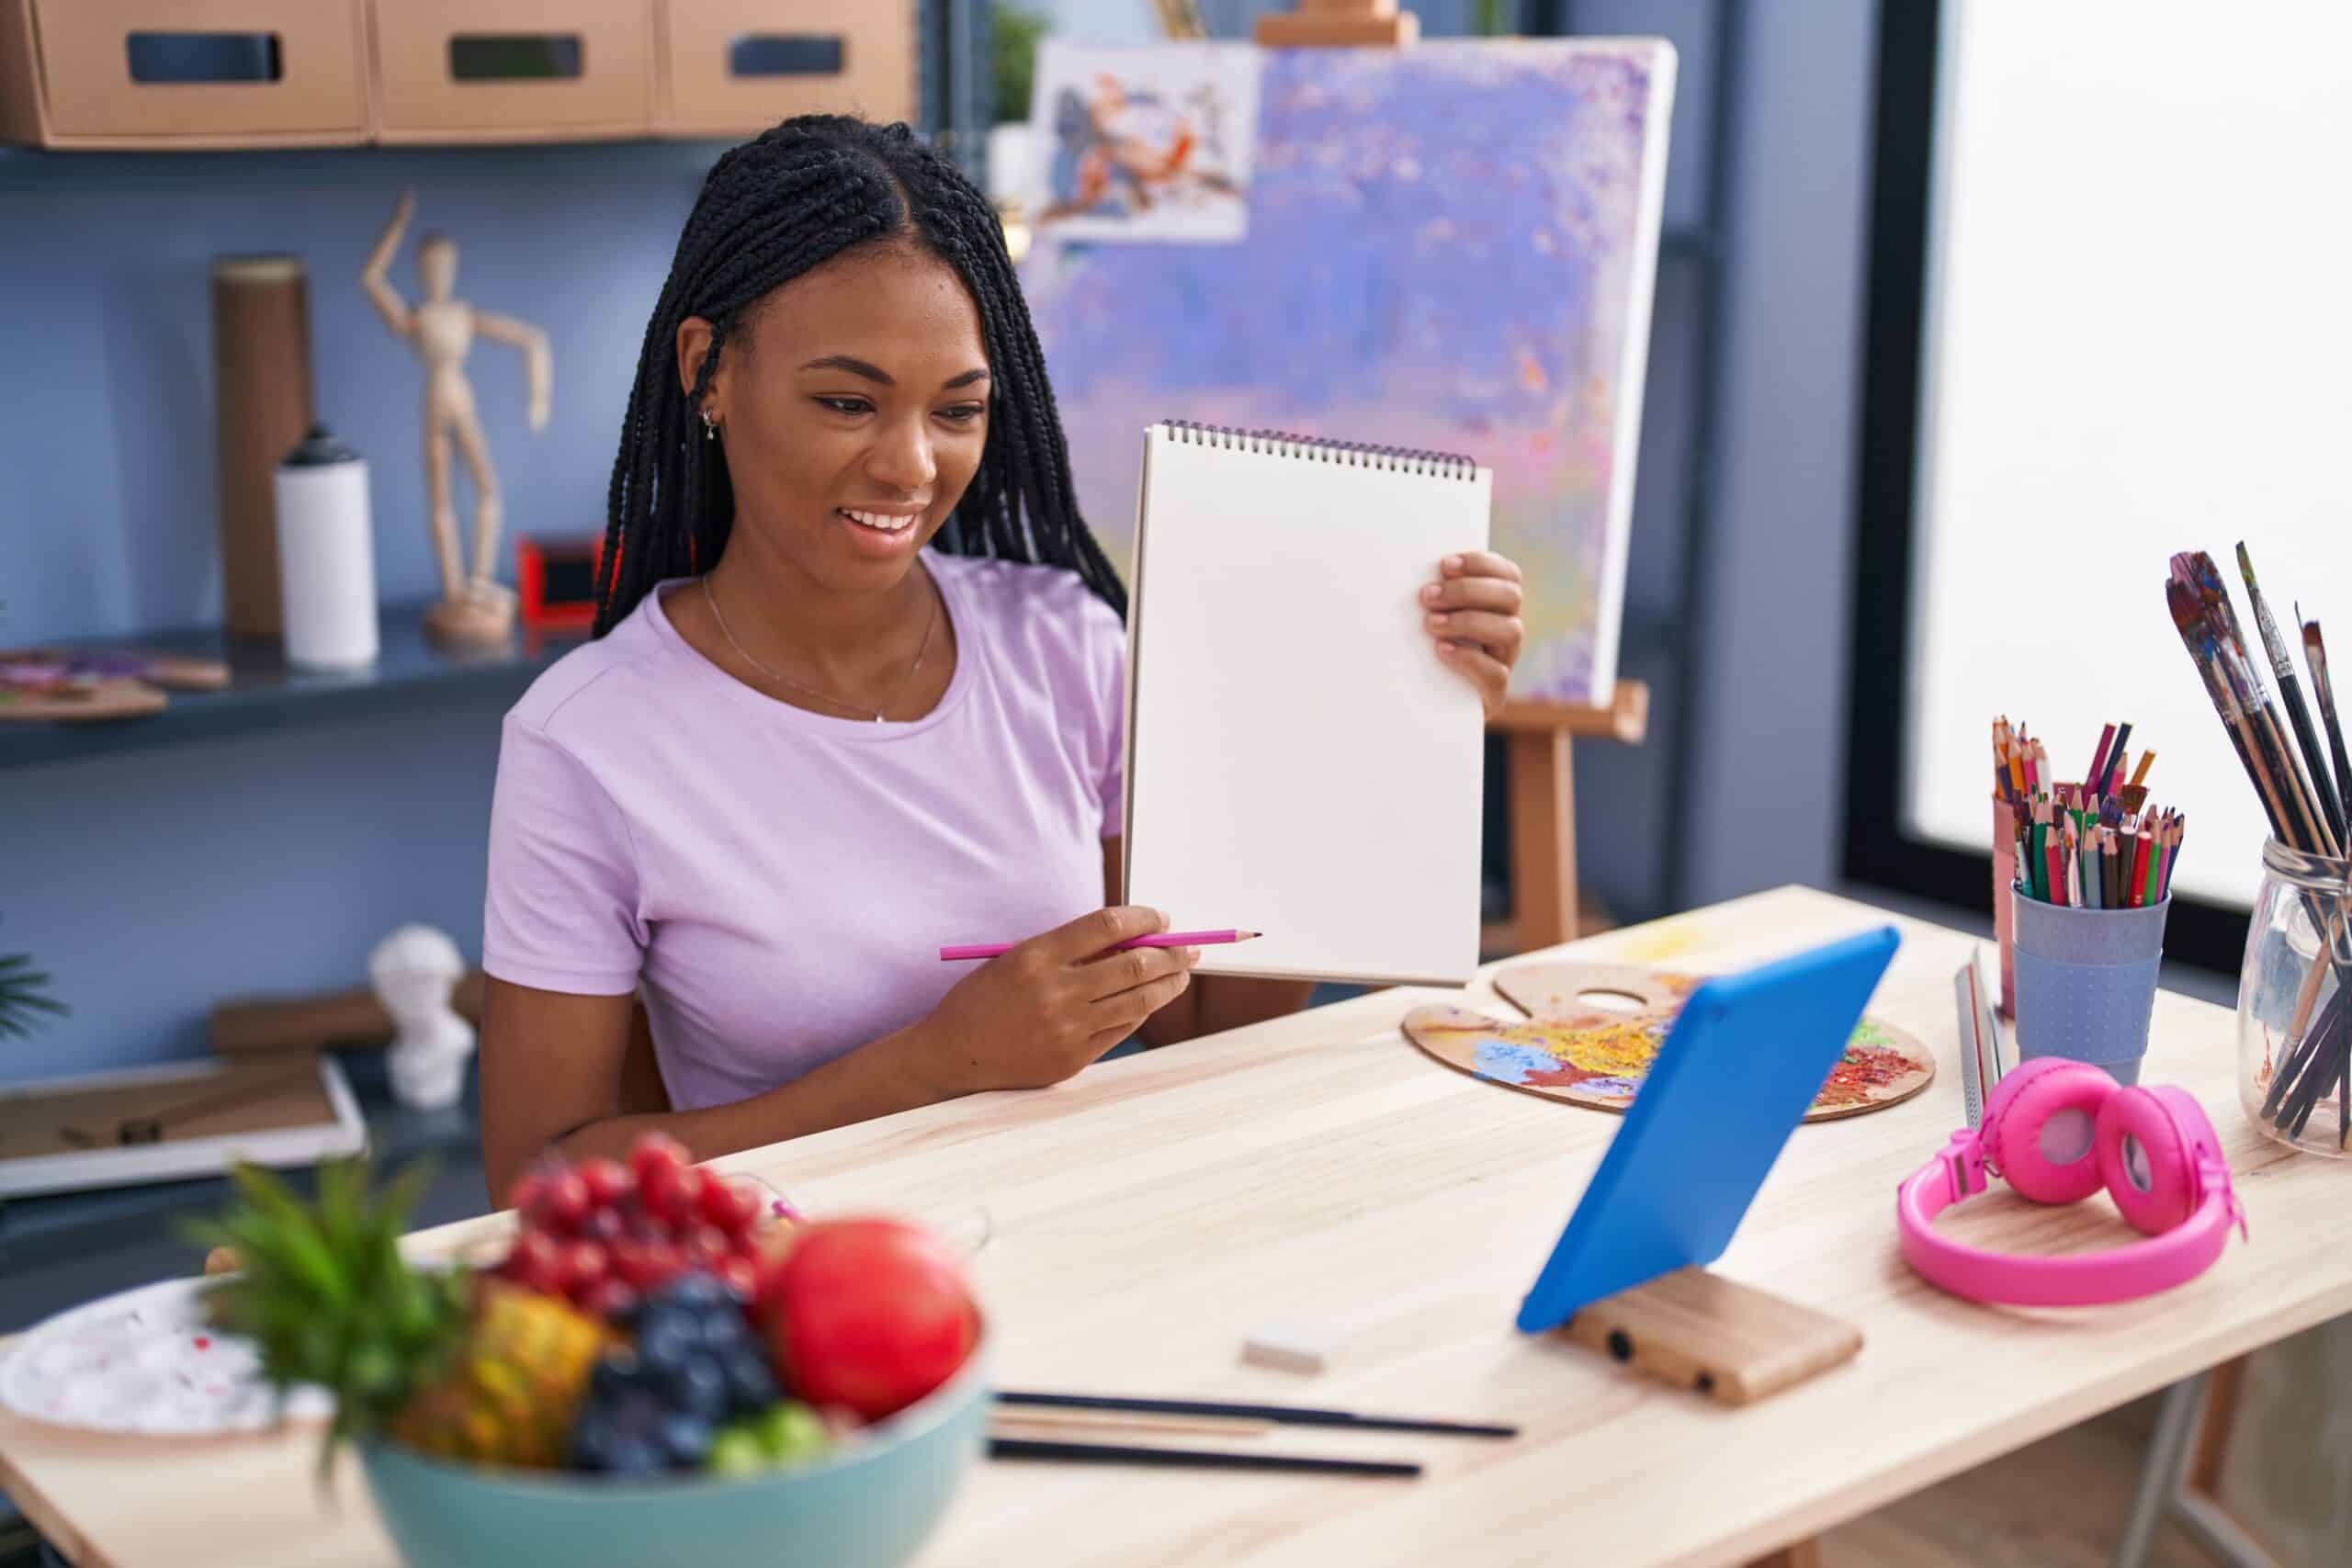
x: 770, y: 209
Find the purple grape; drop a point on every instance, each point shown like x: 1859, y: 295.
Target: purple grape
x: 666, y: 1343
x: 750, y: 1386
x: 700, y: 1387
x: 592, y: 1440
x: 616, y: 1370
x: 632, y: 1454
x: 685, y: 1439
x: 697, y: 1289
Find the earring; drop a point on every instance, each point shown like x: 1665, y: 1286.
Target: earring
x: 709, y: 426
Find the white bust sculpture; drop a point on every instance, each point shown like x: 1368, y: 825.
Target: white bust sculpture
x: 415, y: 972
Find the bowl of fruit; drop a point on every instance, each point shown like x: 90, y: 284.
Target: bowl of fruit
x: 657, y: 1367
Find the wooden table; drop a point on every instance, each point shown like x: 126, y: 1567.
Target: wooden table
x: 1146, y: 1215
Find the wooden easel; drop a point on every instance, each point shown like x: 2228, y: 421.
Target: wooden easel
x: 1543, y: 809
x: 1323, y: 24
x: 1542, y: 782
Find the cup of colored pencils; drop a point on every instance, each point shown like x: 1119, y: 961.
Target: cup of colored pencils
x: 2088, y: 901
x: 2295, y: 990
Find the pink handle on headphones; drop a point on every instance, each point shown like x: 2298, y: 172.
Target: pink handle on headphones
x: 2116, y: 1274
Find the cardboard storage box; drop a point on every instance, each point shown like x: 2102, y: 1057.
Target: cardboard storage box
x: 169, y: 74
x: 734, y: 67
x: 461, y: 71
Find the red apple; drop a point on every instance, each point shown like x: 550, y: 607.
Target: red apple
x: 870, y: 1315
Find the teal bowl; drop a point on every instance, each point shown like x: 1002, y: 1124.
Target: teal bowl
x: 869, y: 1505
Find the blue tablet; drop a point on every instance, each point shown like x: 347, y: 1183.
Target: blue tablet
x: 1731, y: 1082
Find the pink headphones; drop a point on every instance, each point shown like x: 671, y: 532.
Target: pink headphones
x: 2057, y: 1131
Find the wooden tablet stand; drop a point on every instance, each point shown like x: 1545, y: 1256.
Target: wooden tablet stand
x: 1697, y: 1330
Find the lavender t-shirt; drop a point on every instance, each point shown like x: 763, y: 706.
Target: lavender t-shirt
x: 778, y: 882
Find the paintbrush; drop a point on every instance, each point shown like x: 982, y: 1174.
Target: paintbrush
x: 2266, y: 734
x: 2315, y: 658
x: 2200, y: 613
x: 2188, y: 616
x: 2315, y: 655
x: 2282, y: 664
x: 2266, y: 739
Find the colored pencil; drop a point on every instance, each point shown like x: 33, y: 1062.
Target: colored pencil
x: 2105, y: 784
x: 2099, y: 759
x: 1281, y: 1414
x: 1163, y: 939
x: 2073, y: 846
x: 1192, y: 1459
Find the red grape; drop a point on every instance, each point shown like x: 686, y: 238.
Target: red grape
x: 524, y: 1195
x: 656, y: 1151
x: 584, y: 1264
x: 563, y: 1201
x: 608, y: 1181
x: 535, y: 1263
x: 705, y: 1246
x: 607, y: 1298
x: 741, y: 1276
x: 730, y: 1207
x: 666, y: 1194
x: 646, y: 1265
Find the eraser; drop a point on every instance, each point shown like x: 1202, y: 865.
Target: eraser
x: 1293, y: 1346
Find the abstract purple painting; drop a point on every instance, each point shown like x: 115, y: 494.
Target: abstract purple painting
x: 1449, y: 247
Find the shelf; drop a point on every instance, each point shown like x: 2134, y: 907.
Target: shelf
x: 50, y: 1227
x: 309, y: 169
x: 263, y: 695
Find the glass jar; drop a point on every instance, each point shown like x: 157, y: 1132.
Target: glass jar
x: 2294, y: 1005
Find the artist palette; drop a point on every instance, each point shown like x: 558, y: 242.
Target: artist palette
x: 146, y: 1362
x: 1592, y: 1031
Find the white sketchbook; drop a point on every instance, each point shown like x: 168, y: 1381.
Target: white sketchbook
x: 1299, y: 761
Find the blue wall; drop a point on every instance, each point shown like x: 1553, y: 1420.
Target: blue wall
x: 156, y: 883
x: 153, y: 883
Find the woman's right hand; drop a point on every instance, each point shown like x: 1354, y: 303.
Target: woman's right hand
x: 1033, y: 1016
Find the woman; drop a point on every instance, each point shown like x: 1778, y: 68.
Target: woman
x: 803, y: 750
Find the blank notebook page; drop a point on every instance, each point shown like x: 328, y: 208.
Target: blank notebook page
x: 1299, y: 760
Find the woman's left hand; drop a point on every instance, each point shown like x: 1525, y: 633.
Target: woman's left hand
x: 1473, y: 611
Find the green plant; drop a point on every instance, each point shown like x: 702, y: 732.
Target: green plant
x: 1013, y: 35
x: 443, y: 1360
x: 23, y: 995
x: 1493, y: 19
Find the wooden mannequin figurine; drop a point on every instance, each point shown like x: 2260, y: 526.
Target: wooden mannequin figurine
x: 475, y: 609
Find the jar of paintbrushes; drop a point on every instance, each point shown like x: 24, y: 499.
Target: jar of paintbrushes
x: 2295, y: 988
x: 2294, y: 1008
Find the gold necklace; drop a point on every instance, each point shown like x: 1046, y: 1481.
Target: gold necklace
x: 921, y: 648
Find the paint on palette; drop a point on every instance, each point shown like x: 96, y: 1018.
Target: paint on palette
x: 1573, y: 1051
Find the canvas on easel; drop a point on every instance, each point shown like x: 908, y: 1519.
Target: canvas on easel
x: 1449, y: 246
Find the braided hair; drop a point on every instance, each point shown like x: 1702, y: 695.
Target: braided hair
x: 800, y: 195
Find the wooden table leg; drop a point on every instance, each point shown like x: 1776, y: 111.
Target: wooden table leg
x: 1542, y: 839
x: 1797, y: 1555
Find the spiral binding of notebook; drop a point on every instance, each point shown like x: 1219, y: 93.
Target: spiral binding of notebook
x: 1350, y: 453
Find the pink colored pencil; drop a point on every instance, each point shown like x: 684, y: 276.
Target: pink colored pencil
x: 1164, y: 939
